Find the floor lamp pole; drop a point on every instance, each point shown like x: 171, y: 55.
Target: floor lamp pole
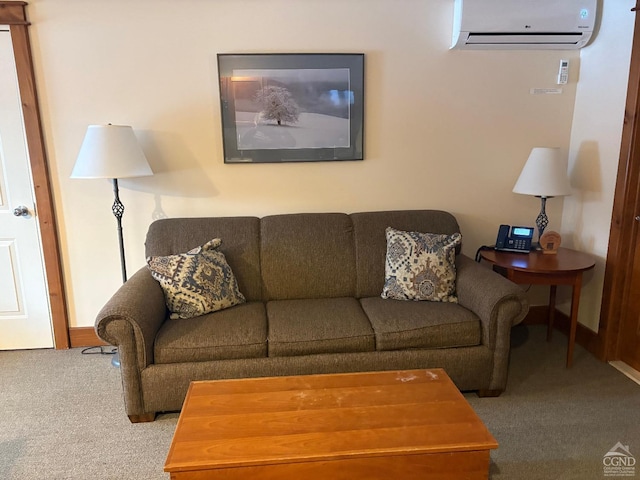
x: 118, y: 210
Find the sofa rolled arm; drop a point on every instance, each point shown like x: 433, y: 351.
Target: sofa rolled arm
x: 499, y: 303
x: 132, y: 317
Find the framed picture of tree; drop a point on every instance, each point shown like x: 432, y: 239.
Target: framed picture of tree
x: 292, y: 107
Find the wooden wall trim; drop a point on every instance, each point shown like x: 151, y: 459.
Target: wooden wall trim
x: 14, y: 15
x: 619, y: 255
x: 84, y: 337
x: 585, y: 337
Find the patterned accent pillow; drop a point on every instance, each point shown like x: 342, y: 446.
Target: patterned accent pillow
x: 197, y: 282
x: 420, y: 266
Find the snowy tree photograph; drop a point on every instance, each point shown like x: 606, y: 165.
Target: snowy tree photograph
x: 291, y: 112
x: 277, y: 104
x: 313, y: 106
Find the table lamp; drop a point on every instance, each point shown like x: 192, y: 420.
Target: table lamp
x: 545, y: 176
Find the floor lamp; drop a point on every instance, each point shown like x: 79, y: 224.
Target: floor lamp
x: 112, y: 151
x: 544, y: 176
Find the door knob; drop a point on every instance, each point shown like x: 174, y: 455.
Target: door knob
x: 638, y: 218
x: 21, y: 211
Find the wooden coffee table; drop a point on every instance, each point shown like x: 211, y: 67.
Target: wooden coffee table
x: 376, y: 425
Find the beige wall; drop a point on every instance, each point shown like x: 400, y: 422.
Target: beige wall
x: 444, y: 129
x: 595, y: 148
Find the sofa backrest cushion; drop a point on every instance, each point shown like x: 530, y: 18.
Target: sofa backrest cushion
x: 240, y: 244
x: 371, y: 243
x: 308, y: 255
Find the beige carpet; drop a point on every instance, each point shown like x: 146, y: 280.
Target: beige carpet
x: 61, y: 417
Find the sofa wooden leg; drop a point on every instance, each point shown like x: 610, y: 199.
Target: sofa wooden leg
x: 145, y: 417
x: 489, y: 393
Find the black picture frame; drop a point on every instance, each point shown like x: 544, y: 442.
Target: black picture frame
x: 292, y: 107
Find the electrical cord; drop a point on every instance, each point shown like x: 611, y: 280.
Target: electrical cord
x: 491, y: 247
x: 482, y: 248
x: 99, y: 350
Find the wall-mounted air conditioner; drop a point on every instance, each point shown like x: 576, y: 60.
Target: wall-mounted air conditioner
x: 523, y: 24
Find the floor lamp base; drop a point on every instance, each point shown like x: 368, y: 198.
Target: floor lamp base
x: 115, y: 360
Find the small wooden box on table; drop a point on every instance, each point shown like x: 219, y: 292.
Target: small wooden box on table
x: 373, y: 425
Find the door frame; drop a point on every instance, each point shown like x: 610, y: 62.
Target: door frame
x: 618, y: 270
x: 13, y: 14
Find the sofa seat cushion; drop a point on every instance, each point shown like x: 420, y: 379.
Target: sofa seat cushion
x: 324, y: 325
x: 236, y: 332
x: 399, y: 324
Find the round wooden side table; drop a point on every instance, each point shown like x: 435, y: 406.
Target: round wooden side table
x: 536, y: 268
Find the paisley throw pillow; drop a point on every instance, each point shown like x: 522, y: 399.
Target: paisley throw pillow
x: 197, y: 282
x: 420, y: 266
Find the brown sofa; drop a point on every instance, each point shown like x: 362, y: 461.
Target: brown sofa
x: 312, y: 284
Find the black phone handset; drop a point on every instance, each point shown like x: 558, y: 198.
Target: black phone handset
x: 503, y: 234
x: 514, y: 239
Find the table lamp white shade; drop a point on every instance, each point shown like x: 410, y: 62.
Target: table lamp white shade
x: 110, y: 151
x: 544, y: 174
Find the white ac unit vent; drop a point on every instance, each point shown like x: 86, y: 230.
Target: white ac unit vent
x: 523, y: 24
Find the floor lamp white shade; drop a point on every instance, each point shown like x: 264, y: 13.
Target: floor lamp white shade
x: 110, y: 151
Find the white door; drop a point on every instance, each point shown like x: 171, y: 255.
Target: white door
x: 25, y: 316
